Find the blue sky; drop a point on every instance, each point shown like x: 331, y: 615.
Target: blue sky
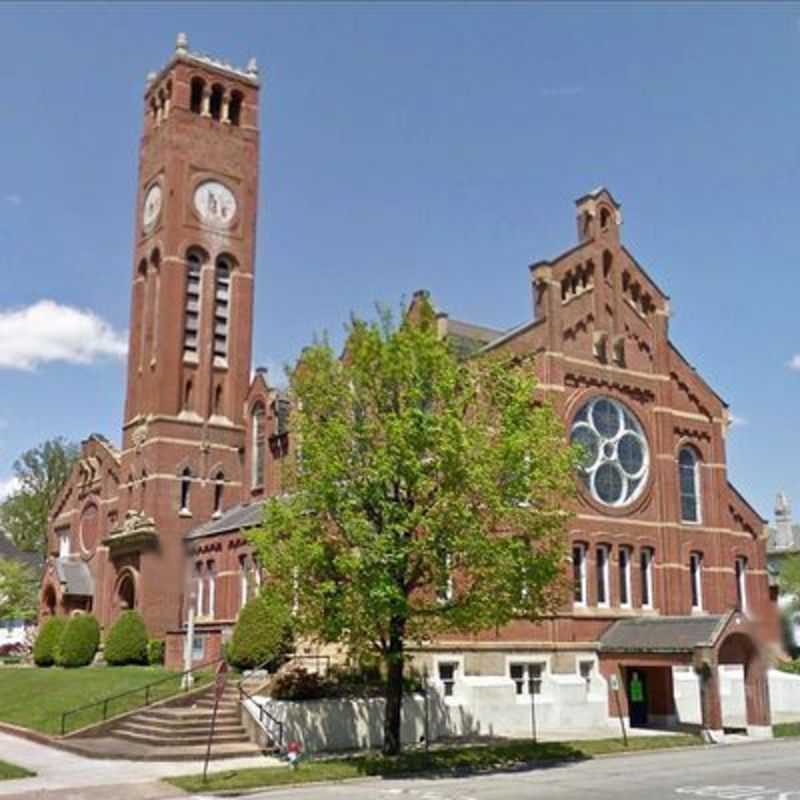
x: 417, y: 146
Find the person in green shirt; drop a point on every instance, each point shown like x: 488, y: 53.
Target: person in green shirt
x: 637, y: 690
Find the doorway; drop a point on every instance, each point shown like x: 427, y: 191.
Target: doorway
x: 636, y: 688
x: 126, y: 593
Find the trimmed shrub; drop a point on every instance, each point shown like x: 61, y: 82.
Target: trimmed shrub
x: 79, y: 641
x: 44, y: 650
x: 792, y: 667
x: 299, y: 684
x: 155, y: 651
x: 262, y: 635
x: 126, y: 642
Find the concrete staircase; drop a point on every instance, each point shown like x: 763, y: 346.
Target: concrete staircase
x: 175, y: 732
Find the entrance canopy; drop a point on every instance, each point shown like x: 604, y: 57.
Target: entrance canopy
x: 662, y: 634
x: 704, y: 642
x: 74, y: 577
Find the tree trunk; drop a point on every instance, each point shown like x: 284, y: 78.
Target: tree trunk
x: 394, y: 689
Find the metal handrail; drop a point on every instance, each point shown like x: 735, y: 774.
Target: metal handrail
x: 146, y: 688
x: 262, y: 713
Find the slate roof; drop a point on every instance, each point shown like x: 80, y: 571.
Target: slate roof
x: 8, y: 550
x: 467, y: 338
x: 240, y: 516
x: 74, y: 576
x: 661, y: 634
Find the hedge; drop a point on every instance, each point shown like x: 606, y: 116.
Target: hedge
x: 79, y: 642
x: 155, y: 651
x: 44, y: 651
x: 127, y: 640
x: 262, y: 635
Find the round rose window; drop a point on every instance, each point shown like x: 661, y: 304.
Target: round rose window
x: 615, y: 457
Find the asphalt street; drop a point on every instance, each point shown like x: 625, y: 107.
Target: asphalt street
x: 758, y: 771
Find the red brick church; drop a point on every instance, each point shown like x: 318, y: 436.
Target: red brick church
x: 668, y: 559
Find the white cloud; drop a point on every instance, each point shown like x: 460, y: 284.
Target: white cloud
x: 47, y: 331
x: 737, y: 422
x: 794, y: 362
x: 7, y: 487
x: 13, y: 199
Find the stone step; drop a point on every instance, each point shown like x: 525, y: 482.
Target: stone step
x: 178, y: 715
x: 109, y: 747
x: 180, y: 729
x: 208, y: 705
x: 167, y: 740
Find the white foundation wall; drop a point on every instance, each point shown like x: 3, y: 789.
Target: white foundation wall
x: 784, y: 695
x: 480, y: 706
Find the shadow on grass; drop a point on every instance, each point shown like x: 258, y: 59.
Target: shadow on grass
x: 454, y: 762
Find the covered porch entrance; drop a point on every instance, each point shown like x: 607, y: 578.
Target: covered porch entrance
x: 638, y: 656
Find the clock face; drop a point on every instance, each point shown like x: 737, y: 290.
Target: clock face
x: 152, y: 205
x: 215, y: 203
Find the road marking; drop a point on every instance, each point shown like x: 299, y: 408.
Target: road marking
x: 737, y: 791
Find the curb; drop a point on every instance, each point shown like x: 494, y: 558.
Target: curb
x: 523, y: 767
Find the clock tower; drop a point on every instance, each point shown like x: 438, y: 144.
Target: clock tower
x: 189, y: 356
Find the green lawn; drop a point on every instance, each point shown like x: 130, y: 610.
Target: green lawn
x: 35, y: 698
x: 786, y: 729
x: 8, y: 771
x: 439, y: 760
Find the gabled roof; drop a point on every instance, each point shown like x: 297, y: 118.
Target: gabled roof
x: 234, y: 519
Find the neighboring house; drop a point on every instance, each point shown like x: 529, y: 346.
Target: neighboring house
x: 12, y: 630
x: 668, y: 560
x: 784, y: 542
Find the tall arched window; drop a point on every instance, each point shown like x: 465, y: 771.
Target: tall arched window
x: 155, y: 268
x: 198, y: 85
x: 187, y: 396
x: 219, y: 490
x: 186, y: 486
x: 689, y: 481
x: 235, y: 108
x: 222, y: 292
x: 257, y: 446
x: 191, y: 324
x: 216, y: 102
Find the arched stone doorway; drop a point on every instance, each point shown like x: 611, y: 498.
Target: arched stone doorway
x: 739, y: 649
x: 49, y: 601
x: 125, y: 593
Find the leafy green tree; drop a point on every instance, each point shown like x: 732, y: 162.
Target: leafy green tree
x: 19, y: 590
x: 126, y: 642
x: 789, y: 585
x: 789, y: 579
x: 79, y: 641
x: 425, y: 494
x: 40, y: 472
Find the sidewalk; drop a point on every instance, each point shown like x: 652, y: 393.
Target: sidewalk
x: 58, y: 770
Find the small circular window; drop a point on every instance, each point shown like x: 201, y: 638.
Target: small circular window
x: 615, y: 456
